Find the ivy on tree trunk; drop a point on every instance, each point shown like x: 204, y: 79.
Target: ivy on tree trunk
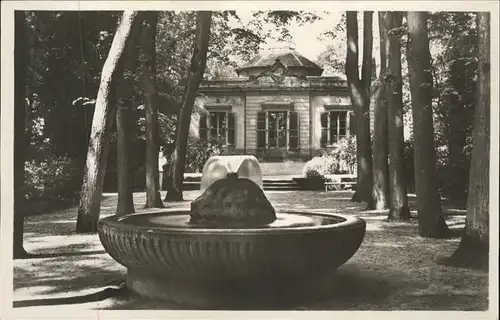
x: 359, y: 92
x: 95, y: 166
x: 196, y: 71
x: 430, y: 217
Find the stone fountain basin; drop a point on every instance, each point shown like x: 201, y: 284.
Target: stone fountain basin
x: 163, y: 252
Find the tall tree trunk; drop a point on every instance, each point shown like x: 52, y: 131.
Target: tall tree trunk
x: 153, y: 197
x: 399, y: 209
x: 431, y: 222
x: 20, y: 68
x: 359, y: 93
x: 95, y: 166
x: 196, y: 71
x: 380, y: 189
x: 473, y: 250
x: 123, y: 143
x: 367, y: 66
x: 125, y: 123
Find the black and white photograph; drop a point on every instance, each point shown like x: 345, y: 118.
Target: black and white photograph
x: 249, y: 159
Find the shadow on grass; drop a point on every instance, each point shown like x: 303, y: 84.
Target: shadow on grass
x: 351, y: 287
x: 129, y: 300
x: 63, y: 254
x: 410, y: 228
x: 57, y: 282
x: 43, y: 207
x: 93, y: 297
x: 58, y: 267
x: 64, y: 249
x: 50, y: 225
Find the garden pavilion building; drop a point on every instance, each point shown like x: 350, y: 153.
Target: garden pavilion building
x: 278, y: 108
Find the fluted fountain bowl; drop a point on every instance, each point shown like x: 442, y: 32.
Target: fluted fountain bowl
x: 209, y: 266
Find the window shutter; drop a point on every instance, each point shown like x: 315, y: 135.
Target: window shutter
x: 352, y: 123
x: 324, y: 129
x: 334, y: 134
x: 342, y: 124
x: 294, y: 131
x: 261, y: 130
x: 231, y: 128
x: 203, y: 127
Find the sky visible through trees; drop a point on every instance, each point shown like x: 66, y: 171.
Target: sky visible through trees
x: 305, y: 37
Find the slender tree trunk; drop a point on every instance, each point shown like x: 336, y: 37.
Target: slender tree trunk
x: 20, y: 68
x: 95, y: 166
x: 380, y: 189
x: 366, y: 79
x: 399, y: 209
x: 473, y: 250
x: 359, y: 93
x: 196, y: 71
x: 125, y: 123
x: 153, y: 197
x: 123, y: 143
x: 367, y: 66
x: 430, y: 218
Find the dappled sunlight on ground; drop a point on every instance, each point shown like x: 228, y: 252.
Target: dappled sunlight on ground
x: 373, y: 227
x: 393, y: 269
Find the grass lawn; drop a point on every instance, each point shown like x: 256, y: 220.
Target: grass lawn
x: 394, y: 269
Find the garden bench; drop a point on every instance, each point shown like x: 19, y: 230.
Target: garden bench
x: 332, y: 180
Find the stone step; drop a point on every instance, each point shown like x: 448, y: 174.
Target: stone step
x: 191, y: 185
x: 274, y: 180
x: 265, y: 180
x: 278, y: 183
x: 284, y: 185
x: 290, y: 188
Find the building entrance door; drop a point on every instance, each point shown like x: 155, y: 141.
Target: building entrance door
x: 276, y: 128
x: 277, y: 133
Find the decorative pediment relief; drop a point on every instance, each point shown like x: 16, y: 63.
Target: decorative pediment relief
x: 277, y: 72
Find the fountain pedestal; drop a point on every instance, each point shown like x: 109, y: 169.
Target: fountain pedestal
x: 237, y: 294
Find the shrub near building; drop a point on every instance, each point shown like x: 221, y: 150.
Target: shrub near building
x: 340, y: 159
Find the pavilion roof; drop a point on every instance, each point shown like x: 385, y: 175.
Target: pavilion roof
x: 288, y: 56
